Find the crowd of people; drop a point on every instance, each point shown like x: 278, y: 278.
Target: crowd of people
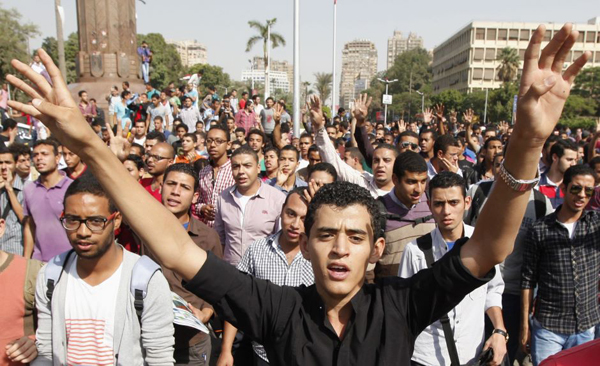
x: 434, y: 241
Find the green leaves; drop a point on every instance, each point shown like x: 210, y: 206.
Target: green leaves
x: 14, y: 40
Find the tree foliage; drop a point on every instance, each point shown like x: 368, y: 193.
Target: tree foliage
x: 323, y: 85
x: 509, y: 64
x: 262, y: 30
x: 212, y: 76
x: 166, y: 64
x: 587, y: 83
x: 50, y: 45
x: 14, y: 39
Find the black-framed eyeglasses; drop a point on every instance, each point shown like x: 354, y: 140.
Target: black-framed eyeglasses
x: 95, y: 223
x: 155, y: 157
x: 216, y: 141
x: 576, y: 189
x: 409, y: 145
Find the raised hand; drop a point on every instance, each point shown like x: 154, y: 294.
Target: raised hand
x: 119, y: 145
x: 453, y: 116
x: 401, y: 126
x: 52, y: 104
x: 277, y: 111
x: 360, y: 110
x: 439, y: 112
x: 468, y: 116
x: 427, y: 115
x: 544, y: 88
x: 316, y: 113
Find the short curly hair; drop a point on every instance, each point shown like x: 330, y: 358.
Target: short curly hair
x: 342, y: 195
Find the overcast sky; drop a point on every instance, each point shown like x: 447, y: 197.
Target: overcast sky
x: 222, y: 25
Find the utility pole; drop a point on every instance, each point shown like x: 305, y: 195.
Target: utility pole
x: 334, y: 53
x: 268, y: 61
x: 422, y: 100
x: 387, y: 84
x: 60, y: 39
x: 297, y: 116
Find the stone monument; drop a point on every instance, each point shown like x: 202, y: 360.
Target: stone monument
x: 107, y: 48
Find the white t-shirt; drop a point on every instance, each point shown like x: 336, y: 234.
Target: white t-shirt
x: 570, y: 228
x: 243, y: 202
x: 139, y: 141
x: 89, y: 318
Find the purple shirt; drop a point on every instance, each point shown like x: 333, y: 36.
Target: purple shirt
x: 261, y: 219
x: 45, y: 207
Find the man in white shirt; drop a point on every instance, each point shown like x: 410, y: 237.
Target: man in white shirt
x: 157, y: 109
x: 448, y: 202
x: 189, y: 114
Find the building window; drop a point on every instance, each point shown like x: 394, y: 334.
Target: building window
x: 577, y: 54
x: 548, y: 35
x: 491, y: 35
x: 490, y: 54
x: 489, y: 74
x: 569, y: 57
x: 524, y: 35
x: 522, y: 54
x: 598, y: 38
x: 502, y: 34
x: 580, y: 37
x: 477, y: 73
x: 590, y: 38
x: 478, y: 54
x: 513, y: 35
x: 597, y: 56
x: 480, y: 33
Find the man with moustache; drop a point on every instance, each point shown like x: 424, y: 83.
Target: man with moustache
x: 157, y: 161
x: 43, y: 235
x: 276, y: 258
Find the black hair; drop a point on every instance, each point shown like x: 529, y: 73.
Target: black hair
x: 245, y: 150
x: 305, y: 135
x: 136, y: 145
x: 299, y: 191
x: 560, y: 146
x: 271, y: 148
x: 182, y: 125
x: 199, y: 165
x: 5, y: 150
x: 254, y: 97
x: 575, y: 170
x: 18, y: 149
x: 341, y: 195
x: 290, y: 148
x: 81, y: 93
x: 156, y: 135
x: 434, y: 134
x: 408, y: 133
x: 183, y: 168
x: 313, y: 148
x: 8, y: 123
x: 390, y: 147
x: 323, y: 167
x: 158, y: 118
x: 447, y: 179
x: 256, y: 131
x: 443, y: 142
x: 139, y: 163
x: 409, y: 161
x: 592, y: 163
x: 356, y: 154
x: 487, y: 142
x: 126, y: 83
x: 192, y: 136
x: 125, y: 93
x: 240, y: 129
x: 47, y: 142
x: 244, y: 93
x: 221, y: 128
x: 87, y: 183
x: 549, y: 140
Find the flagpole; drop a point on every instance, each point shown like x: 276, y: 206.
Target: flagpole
x: 297, y: 117
x: 333, y: 84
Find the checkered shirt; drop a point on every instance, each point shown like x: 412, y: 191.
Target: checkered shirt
x: 210, y: 188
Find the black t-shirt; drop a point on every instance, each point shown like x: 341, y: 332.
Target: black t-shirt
x: 293, y: 326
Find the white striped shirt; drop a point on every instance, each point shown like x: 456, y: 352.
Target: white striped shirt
x: 12, y: 240
x: 266, y: 260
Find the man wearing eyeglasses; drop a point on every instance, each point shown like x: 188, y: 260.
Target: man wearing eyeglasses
x: 157, y: 161
x: 562, y: 258
x: 90, y: 318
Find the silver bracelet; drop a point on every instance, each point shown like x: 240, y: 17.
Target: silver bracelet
x: 517, y: 184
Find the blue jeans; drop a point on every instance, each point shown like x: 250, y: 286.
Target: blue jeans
x: 545, y: 343
x: 146, y: 71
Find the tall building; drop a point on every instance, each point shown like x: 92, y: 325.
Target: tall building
x: 281, y: 73
x: 190, y: 52
x: 359, y: 66
x: 467, y: 61
x: 398, y: 44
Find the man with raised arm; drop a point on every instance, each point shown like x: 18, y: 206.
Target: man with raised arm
x: 339, y: 320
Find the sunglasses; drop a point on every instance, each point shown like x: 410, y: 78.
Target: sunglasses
x: 409, y: 145
x: 576, y: 189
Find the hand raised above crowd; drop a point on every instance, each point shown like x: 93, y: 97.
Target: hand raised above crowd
x: 316, y: 113
x: 360, y: 109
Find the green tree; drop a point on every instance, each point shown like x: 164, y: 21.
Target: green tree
x: 212, y: 76
x: 509, y: 64
x: 578, y: 106
x: 50, y: 45
x: 587, y: 83
x: 323, y: 85
x: 451, y: 99
x: 166, y: 64
x: 262, y: 29
x: 14, y: 40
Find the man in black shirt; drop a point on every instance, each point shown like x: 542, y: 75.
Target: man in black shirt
x: 339, y: 320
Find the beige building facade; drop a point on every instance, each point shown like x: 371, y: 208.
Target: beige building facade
x: 191, y: 52
x: 359, y: 66
x: 398, y: 44
x: 467, y: 61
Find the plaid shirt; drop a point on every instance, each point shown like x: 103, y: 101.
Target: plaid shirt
x: 264, y: 259
x: 565, y: 271
x: 210, y: 188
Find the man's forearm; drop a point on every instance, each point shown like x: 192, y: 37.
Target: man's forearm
x: 229, y: 332
x: 28, y: 237
x: 15, y: 204
x: 495, y: 315
x: 526, y: 304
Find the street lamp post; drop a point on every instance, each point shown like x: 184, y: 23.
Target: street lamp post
x: 296, y: 104
x: 387, y: 84
x: 422, y: 100
x: 252, y: 75
x: 267, y: 69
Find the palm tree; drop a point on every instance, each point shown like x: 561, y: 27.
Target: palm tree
x: 509, y: 64
x: 323, y: 85
x: 263, y: 35
x: 306, y: 91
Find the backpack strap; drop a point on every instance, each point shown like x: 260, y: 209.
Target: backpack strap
x: 142, y: 272
x: 425, y: 243
x: 54, y: 270
x: 539, y: 200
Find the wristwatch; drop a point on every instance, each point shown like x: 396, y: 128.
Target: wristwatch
x: 516, y: 184
x: 501, y: 332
